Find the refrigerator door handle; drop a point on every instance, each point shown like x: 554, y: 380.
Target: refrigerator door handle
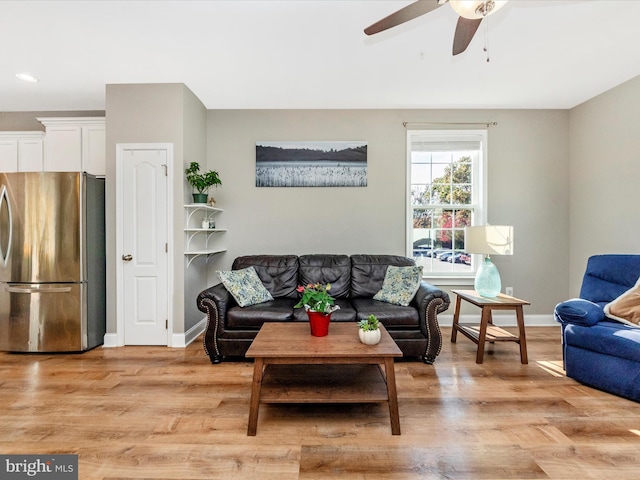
x: 7, y: 222
x: 36, y: 289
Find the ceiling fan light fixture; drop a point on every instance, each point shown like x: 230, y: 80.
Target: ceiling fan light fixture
x: 475, y: 9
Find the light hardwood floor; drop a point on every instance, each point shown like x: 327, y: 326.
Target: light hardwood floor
x: 158, y: 413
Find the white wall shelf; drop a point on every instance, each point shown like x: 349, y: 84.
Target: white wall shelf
x: 198, y: 239
x: 194, y: 208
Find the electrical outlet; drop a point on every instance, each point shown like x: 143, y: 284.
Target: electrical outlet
x: 509, y: 291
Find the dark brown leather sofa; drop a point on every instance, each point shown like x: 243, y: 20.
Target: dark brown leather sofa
x: 354, y: 281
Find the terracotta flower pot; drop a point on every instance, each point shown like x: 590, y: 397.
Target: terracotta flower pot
x: 319, y: 323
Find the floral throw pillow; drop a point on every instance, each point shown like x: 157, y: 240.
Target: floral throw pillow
x: 245, y: 286
x: 400, y: 285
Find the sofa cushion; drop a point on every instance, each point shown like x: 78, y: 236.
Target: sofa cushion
x: 368, y: 272
x: 391, y: 316
x: 277, y: 310
x: 609, y: 338
x: 333, y: 269
x: 400, y: 285
x: 580, y: 311
x: 279, y: 273
x: 245, y: 286
x: 626, y: 308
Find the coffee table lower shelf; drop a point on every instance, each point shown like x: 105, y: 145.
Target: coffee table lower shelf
x: 358, y: 383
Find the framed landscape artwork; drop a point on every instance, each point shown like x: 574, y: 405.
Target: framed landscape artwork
x: 311, y: 164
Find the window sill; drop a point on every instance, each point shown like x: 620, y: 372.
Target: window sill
x: 445, y: 280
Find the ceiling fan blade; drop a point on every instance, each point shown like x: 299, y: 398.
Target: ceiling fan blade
x: 411, y: 11
x: 465, y: 30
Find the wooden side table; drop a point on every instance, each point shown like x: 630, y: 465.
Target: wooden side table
x: 486, y: 331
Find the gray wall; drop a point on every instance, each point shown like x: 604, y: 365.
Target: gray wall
x: 194, y: 150
x: 27, y: 121
x: 604, y: 173
x: 153, y: 113
x: 527, y: 174
x: 565, y: 179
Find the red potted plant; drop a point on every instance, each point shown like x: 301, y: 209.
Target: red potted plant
x: 319, y: 305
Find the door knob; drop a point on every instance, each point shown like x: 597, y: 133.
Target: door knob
x: 127, y: 258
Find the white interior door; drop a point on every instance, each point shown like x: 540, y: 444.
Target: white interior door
x: 143, y: 250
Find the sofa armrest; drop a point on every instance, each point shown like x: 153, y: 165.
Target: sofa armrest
x: 214, y: 301
x: 429, y: 301
x: 578, y: 311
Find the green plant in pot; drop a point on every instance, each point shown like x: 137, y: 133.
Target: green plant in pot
x: 369, y: 331
x: 319, y: 306
x: 200, y: 182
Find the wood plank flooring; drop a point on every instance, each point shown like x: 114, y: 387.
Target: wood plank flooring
x: 160, y: 413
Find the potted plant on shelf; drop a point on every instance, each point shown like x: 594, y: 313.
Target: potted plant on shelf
x: 369, y: 331
x: 319, y: 306
x: 200, y: 182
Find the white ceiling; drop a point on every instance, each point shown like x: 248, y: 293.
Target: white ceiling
x: 313, y: 54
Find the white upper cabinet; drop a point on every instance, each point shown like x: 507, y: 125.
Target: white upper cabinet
x: 21, y: 151
x: 74, y: 144
x: 8, y: 153
x: 93, y: 149
x: 63, y: 149
x: 31, y: 153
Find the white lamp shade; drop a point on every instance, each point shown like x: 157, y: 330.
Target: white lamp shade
x: 473, y: 9
x: 489, y: 240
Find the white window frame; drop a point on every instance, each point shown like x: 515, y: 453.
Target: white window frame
x: 479, y: 196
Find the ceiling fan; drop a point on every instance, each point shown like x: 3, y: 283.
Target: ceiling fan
x: 471, y: 13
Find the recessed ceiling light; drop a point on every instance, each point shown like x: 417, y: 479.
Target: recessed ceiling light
x: 26, y: 77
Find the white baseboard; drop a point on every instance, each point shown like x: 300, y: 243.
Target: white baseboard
x: 178, y: 340
x: 181, y: 340
x: 503, y: 320
x: 110, y: 340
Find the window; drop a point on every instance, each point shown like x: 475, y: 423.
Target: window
x: 445, y: 193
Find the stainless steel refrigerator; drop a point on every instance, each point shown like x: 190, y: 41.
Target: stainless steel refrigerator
x: 52, y: 262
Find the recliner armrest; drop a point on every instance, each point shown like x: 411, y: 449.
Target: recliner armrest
x: 578, y: 311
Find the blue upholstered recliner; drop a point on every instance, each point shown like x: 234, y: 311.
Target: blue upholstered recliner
x: 598, y: 351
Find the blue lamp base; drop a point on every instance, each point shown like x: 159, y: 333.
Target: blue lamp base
x: 487, y: 282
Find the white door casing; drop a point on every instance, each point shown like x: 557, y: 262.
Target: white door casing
x: 143, y: 223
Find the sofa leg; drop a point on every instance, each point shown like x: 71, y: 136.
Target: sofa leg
x: 215, y: 359
x: 428, y: 359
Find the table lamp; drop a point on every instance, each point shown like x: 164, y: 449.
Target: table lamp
x: 488, y: 240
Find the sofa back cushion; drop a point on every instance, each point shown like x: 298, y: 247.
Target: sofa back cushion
x: 333, y: 269
x: 279, y: 273
x: 609, y: 276
x: 368, y: 271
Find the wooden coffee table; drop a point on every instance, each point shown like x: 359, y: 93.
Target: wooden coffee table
x: 292, y: 366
